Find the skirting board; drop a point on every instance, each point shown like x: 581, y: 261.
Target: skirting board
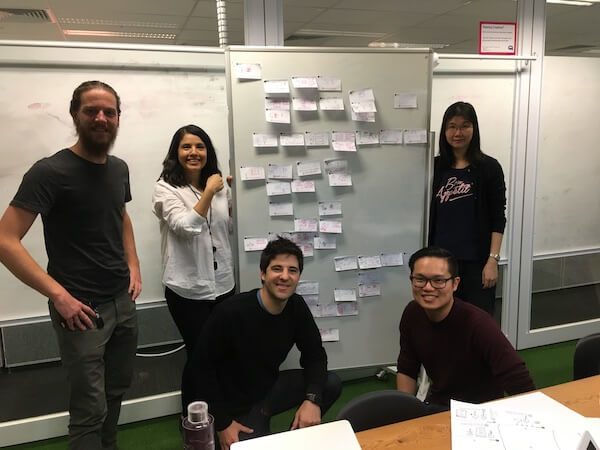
x: 55, y: 425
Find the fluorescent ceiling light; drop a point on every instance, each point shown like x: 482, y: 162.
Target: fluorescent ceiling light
x: 118, y: 23
x: 569, y: 2
x: 312, y: 32
x: 377, y: 44
x: 119, y: 34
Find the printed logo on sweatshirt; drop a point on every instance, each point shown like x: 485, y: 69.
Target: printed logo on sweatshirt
x: 454, y: 189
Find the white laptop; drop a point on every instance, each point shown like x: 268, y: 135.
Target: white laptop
x: 327, y: 436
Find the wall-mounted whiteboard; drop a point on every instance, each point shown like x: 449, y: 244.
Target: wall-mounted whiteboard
x: 382, y: 211
x: 160, y: 91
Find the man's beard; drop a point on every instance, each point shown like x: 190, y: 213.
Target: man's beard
x: 91, y: 144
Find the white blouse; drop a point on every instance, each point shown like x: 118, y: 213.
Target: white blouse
x: 187, y: 241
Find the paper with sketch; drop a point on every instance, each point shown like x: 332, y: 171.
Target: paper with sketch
x: 303, y: 186
x: 369, y: 290
x: 304, y: 104
x: 248, y: 71
x: 325, y: 242
x: 347, y: 309
x: 254, y: 244
x: 342, y: 263
x: 330, y: 226
x: 362, y: 116
x: 304, y: 82
x: 264, y: 140
x: 339, y: 179
x: 278, y: 171
x: 367, y: 138
x: 330, y: 334
x: 276, y: 86
x: 496, y: 425
x: 329, y: 83
x: 390, y: 136
x: 291, y: 139
x: 361, y: 95
x: 277, y: 116
x: 278, y: 104
x: 368, y: 277
x: 252, y: 173
x: 391, y: 259
x: 343, y: 141
x: 306, y: 168
x: 344, y: 295
x: 333, y: 208
x: 307, y: 249
x: 331, y: 104
x: 281, y: 209
x: 317, y: 139
x: 405, y: 100
x: 329, y: 310
x: 305, y: 225
x: 415, y: 136
x: 369, y: 262
x: 278, y: 188
x: 307, y: 287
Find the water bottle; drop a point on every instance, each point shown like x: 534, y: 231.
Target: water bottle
x: 198, y: 428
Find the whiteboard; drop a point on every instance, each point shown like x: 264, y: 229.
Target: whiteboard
x: 160, y: 92
x: 383, y: 211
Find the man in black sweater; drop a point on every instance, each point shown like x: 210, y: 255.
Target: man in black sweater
x: 236, y: 361
x: 464, y: 352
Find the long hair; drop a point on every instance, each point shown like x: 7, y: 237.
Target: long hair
x: 172, y: 171
x: 474, y: 153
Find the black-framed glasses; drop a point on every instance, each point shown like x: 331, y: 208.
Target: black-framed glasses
x: 437, y: 283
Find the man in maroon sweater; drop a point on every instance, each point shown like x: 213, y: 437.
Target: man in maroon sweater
x: 464, y: 352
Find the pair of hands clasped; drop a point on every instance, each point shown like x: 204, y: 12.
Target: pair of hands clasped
x: 307, y: 415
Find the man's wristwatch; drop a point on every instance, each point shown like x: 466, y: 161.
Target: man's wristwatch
x: 314, y: 398
x: 496, y: 256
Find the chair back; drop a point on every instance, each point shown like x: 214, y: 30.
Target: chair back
x: 378, y: 408
x: 586, y: 361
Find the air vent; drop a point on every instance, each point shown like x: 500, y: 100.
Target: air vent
x: 17, y: 15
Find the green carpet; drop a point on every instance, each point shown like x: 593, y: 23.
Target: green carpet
x: 548, y: 365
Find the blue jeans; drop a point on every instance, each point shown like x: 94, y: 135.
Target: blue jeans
x: 99, y: 365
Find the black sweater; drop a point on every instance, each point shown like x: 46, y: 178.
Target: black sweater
x: 490, y: 201
x: 236, y: 360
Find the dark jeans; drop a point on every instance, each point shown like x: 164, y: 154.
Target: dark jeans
x: 189, y: 317
x: 288, y: 391
x: 470, y: 287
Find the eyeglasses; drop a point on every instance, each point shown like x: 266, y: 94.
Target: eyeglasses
x: 463, y: 127
x: 436, y: 283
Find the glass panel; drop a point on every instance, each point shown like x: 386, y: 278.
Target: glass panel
x: 566, y: 275
x: 450, y: 26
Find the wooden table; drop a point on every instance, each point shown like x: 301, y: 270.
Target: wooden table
x: 433, y: 432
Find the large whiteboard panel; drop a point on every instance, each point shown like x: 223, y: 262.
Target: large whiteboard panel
x: 567, y: 206
x: 160, y: 91
x: 382, y: 212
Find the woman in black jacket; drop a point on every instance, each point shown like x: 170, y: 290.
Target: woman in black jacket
x: 468, y: 205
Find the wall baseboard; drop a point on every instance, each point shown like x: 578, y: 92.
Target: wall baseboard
x: 55, y: 425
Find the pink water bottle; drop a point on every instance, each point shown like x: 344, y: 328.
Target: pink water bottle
x: 198, y: 428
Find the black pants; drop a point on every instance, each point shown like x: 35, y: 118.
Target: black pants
x: 470, y: 288
x: 288, y: 391
x: 189, y: 317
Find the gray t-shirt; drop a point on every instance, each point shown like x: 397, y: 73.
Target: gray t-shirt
x: 81, y: 204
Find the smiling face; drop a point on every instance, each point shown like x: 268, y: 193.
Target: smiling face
x: 436, y: 302
x: 279, y: 281
x: 191, y: 154
x: 97, y: 120
x: 459, y: 132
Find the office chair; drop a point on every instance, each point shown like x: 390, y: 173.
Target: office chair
x: 378, y: 408
x: 586, y: 361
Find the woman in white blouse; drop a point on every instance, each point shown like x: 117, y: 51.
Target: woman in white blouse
x: 193, y: 206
